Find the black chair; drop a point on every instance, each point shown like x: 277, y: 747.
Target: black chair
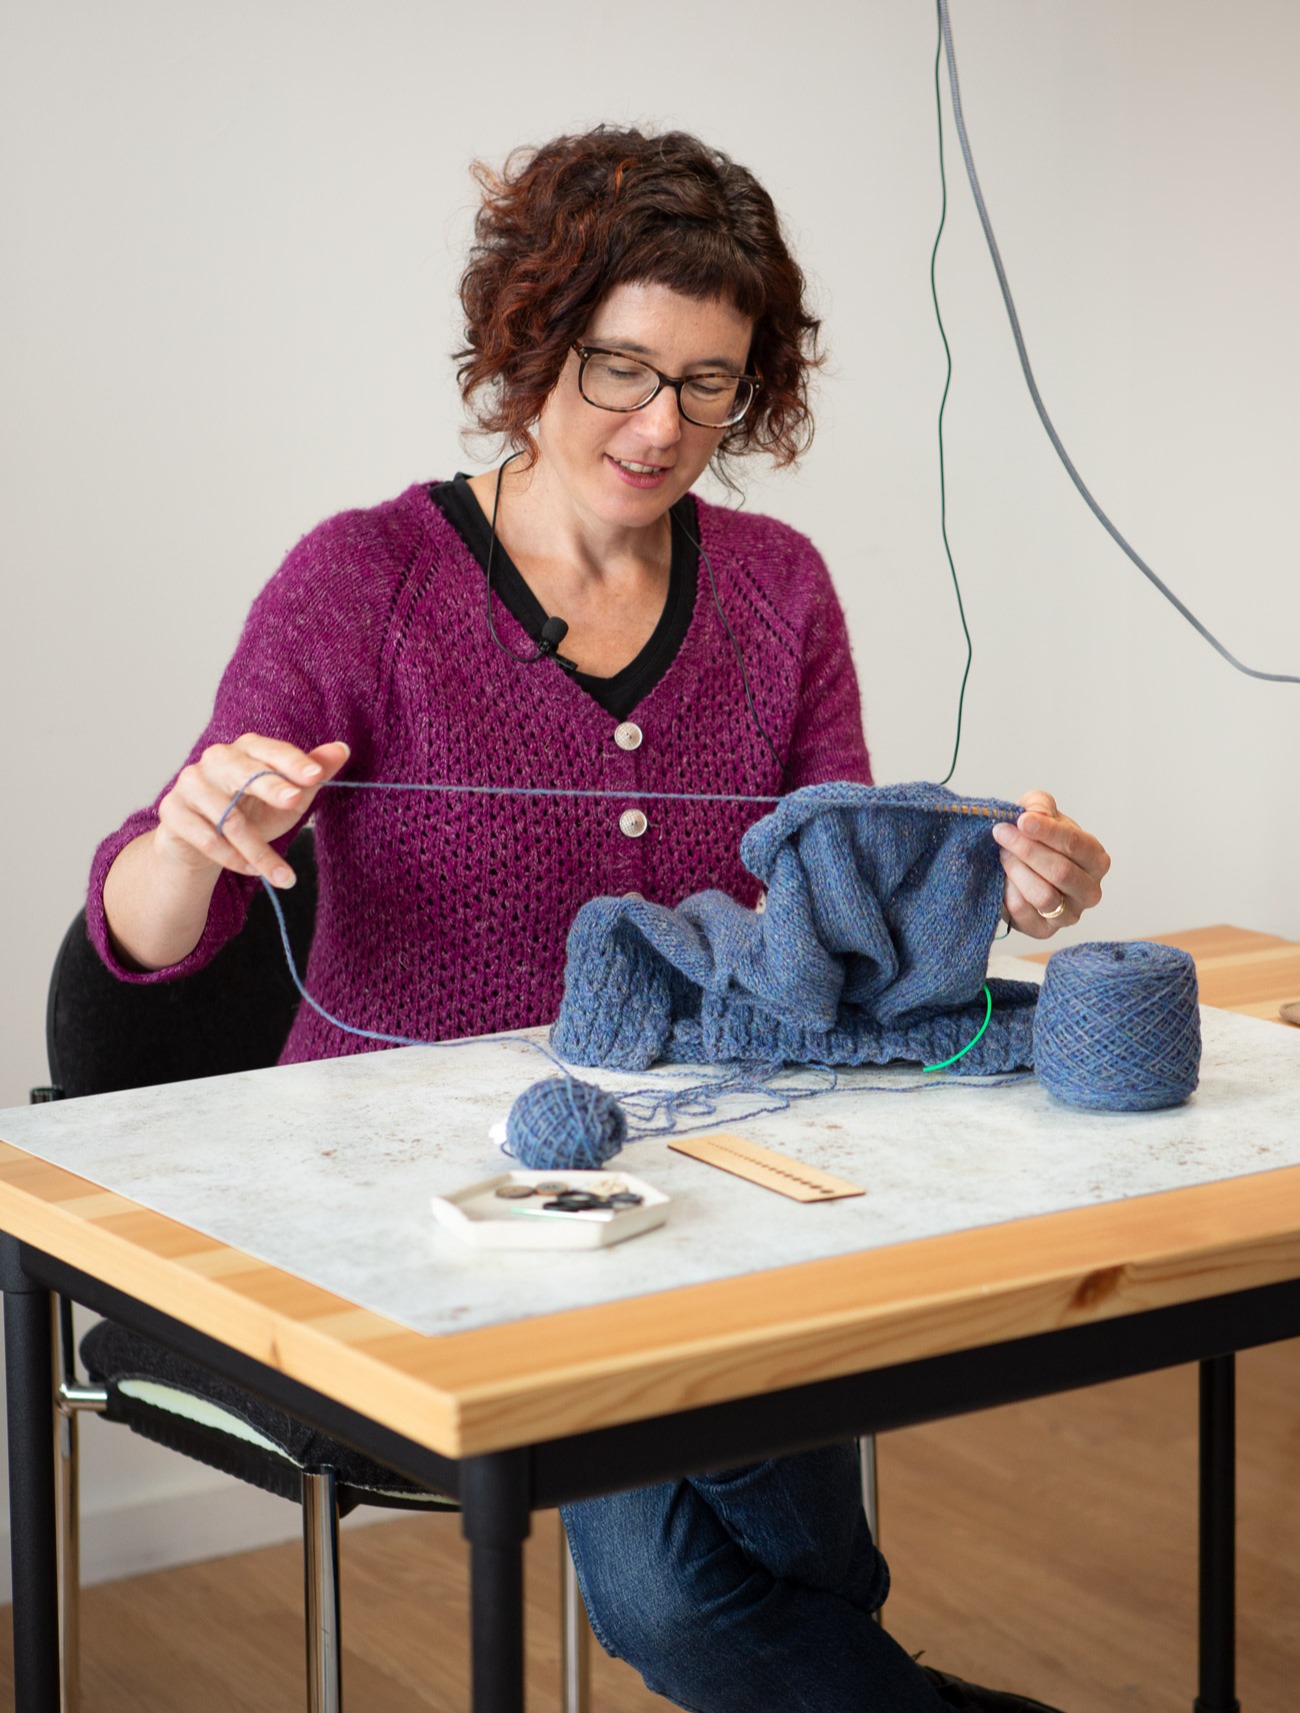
x: 235, y: 1015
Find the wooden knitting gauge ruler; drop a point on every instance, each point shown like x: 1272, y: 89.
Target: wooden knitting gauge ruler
x: 765, y: 1167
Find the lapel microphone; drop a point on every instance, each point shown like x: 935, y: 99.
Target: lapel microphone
x: 553, y: 634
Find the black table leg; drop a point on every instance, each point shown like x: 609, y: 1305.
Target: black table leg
x: 1218, y: 1560
x: 496, y: 1518
x: 29, y: 1377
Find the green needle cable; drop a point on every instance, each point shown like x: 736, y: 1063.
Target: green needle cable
x: 988, y: 1012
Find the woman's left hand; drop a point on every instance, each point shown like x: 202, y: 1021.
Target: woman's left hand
x: 1054, y: 869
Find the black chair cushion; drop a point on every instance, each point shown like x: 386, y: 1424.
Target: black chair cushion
x: 120, y: 1361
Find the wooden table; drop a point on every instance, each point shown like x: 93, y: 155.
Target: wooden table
x: 523, y: 1415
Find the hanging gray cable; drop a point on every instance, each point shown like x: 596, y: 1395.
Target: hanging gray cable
x: 945, y: 24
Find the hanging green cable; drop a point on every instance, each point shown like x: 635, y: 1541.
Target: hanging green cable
x: 988, y: 1012
x: 943, y: 485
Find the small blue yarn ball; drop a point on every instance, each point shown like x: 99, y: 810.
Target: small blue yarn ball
x: 1118, y: 1026
x: 562, y: 1124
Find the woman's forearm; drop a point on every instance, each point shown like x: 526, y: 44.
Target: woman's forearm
x: 156, y: 908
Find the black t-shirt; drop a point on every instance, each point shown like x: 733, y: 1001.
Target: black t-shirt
x: 621, y: 693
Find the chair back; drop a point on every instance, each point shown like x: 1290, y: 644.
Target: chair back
x: 235, y: 1014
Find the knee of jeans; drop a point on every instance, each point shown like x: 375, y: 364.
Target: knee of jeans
x: 648, y: 1594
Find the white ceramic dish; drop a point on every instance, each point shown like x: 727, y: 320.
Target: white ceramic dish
x: 477, y: 1215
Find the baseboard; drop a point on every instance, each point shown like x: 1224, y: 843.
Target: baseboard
x: 208, y: 1521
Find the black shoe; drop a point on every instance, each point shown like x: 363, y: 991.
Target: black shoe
x: 970, y: 1698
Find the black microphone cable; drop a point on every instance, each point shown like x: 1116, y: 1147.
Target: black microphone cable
x: 554, y: 630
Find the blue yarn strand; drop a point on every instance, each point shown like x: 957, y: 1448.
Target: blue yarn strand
x: 957, y: 807
x: 375, y: 1034
x: 494, y: 791
x: 550, y: 791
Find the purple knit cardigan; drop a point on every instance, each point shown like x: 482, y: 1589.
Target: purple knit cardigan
x: 446, y: 915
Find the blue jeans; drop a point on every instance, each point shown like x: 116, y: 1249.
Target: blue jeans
x: 748, y: 1591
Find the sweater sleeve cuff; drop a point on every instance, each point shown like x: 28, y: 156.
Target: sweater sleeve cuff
x: 226, y: 912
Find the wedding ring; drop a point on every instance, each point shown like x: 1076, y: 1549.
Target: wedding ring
x: 1051, y: 915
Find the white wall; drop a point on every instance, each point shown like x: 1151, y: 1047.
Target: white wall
x: 233, y: 234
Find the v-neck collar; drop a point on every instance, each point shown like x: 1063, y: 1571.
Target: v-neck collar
x: 623, y: 691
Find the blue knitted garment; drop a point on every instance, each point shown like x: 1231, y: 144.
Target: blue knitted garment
x: 882, y: 903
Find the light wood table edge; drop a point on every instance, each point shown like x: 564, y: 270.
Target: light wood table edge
x: 521, y: 1382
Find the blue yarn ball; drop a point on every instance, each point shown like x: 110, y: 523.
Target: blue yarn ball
x: 1118, y: 1026
x: 562, y: 1124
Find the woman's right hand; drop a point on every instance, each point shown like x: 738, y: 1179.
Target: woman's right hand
x: 187, y: 836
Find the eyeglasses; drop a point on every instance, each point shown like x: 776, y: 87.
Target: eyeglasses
x: 612, y: 381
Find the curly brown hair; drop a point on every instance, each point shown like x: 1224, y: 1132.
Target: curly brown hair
x: 561, y: 225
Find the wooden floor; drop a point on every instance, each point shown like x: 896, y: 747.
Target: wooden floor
x: 1047, y: 1547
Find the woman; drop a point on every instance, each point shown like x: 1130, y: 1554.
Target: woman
x: 632, y: 313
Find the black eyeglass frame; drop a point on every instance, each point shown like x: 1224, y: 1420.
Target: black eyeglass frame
x: 676, y: 382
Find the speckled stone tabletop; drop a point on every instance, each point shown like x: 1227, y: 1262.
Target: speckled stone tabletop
x: 326, y: 1170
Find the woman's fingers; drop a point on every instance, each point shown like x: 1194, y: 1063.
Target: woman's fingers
x: 1059, y: 834
x: 331, y: 758
x: 1054, y: 868
x: 229, y: 805
x: 286, y: 769
x: 1044, y: 873
x: 190, y: 839
x: 1042, y: 800
x: 276, y: 773
x: 1032, y: 904
x: 244, y: 828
